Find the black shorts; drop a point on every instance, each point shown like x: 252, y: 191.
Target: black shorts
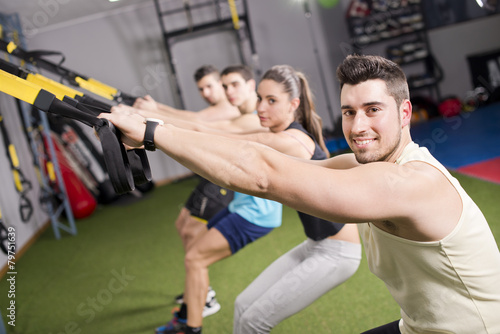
x: 207, y: 199
x: 390, y: 328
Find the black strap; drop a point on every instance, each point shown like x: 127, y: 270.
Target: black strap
x: 25, y: 205
x: 87, y: 100
x: 115, y: 158
x: 25, y: 208
x: 36, y: 58
x: 4, y: 238
x: 137, y: 158
x: 38, y: 54
x: 114, y: 153
x: 140, y: 166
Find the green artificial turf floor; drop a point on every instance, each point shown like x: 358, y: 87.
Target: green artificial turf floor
x: 121, y: 272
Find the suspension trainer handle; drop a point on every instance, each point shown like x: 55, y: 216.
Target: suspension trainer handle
x: 115, y: 156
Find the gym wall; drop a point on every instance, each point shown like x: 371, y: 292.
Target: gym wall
x: 9, y: 198
x: 124, y: 48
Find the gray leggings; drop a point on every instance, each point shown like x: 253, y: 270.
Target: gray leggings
x: 293, y: 282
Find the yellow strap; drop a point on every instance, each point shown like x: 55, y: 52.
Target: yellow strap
x: 96, y: 89
x: 234, y: 14
x: 201, y: 220
x: 13, y: 156
x: 104, y: 87
x: 18, y: 88
x: 50, y: 171
x: 11, y: 47
x: 56, y: 88
x: 38, y: 174
x: 17, y: 181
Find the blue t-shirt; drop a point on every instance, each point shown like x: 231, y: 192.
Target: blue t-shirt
x: 259, y: 211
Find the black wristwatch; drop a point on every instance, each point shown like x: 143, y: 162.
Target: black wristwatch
x: 149, y: 134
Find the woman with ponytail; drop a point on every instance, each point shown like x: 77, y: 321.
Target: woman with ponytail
x: 332, y: 251
x: 330, y: 254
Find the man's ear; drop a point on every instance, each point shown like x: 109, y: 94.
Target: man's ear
x: 406, y: 111
x: 251, y: 84
x: 295, y: 102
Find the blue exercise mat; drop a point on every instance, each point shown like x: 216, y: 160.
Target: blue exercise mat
x: 464, y: 139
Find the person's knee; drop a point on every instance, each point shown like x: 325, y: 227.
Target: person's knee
x: 180, y: 222
x: 253, y: 321
x: 239, y: 306
x: 193, y: 259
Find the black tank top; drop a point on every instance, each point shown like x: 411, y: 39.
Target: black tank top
x: 316, y: 228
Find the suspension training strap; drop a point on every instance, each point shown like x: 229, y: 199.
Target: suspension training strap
x: 21, y: 183
x: 115, y: 156
x: 72, y: 77
x: 138, y: 159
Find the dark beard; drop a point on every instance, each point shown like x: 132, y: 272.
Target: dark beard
x: 376, y: 156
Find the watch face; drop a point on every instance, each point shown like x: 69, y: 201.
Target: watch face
x: 156, y: 120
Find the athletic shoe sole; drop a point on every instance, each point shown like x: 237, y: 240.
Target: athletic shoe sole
x: 211, y: 307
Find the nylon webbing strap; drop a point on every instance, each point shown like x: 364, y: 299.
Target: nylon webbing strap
x: 113, y: 150
x: 138, y: 160
x: 18, y: 88
x: 94, y: 88
x: 87, y: 100
x: 4, y: 239
x: 234, y: 14
x: 90, y: 84
x: 56, y: 88
x: 139, y: 163
x: 20, y: 182
x: 115, y: 156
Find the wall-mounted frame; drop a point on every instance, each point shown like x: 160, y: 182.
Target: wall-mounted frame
x: 441, y: 13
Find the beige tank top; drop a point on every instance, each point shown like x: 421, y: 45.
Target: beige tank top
x: 446, y: 286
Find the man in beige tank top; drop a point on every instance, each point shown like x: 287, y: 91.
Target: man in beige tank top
x: 423, y: 235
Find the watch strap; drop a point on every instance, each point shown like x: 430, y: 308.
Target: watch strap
x: 149, y: 143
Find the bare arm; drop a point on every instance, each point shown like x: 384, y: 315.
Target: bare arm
x: 372, y: 192
x: 209, y: 114
x: 242, y: 124
x: 342, y: 161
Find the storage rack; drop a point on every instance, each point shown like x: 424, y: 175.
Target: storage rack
x: 204, y: 17
x: 400, y: 24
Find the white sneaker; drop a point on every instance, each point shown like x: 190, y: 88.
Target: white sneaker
x: 211, y: 307
x: 210, y: 295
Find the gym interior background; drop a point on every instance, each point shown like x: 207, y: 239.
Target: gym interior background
x: 452, y: 48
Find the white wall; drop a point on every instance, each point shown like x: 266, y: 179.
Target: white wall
x: 283, y: 35
x: 124, y: 48
x: 451, y: 46
x: 9, y: 198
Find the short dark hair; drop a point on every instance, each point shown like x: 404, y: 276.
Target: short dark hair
x: 244, y: 70
x: 356, y: 69
x: 204, y: 71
